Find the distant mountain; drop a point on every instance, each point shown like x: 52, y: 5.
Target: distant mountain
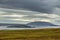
x: 14, y: 25
x: 39, y: 23
x: 19, y: 26
x: 29, y: 25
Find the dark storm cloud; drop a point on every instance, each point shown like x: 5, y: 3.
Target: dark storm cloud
x: 45, y: 6
x: 58, y: 4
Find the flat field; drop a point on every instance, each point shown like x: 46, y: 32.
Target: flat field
x: 36, y: 34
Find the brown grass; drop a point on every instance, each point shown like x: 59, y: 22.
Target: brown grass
x: 38, y: 34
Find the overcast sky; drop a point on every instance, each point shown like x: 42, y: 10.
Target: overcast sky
x: 24, y: 11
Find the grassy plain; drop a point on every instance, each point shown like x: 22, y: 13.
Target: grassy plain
x: 36, y: 34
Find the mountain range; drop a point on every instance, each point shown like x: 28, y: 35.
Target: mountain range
x: 28, y: 25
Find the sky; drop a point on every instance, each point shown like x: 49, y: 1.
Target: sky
x: 25, y: 11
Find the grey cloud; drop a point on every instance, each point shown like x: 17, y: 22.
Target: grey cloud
x: 45, y: 6
x: 14, y: 11
x: 58, y: 3
x: 32, y: 17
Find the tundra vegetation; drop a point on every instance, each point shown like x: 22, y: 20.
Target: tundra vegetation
x: 34, y: 34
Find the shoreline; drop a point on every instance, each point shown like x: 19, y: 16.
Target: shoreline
x: 27, y: 28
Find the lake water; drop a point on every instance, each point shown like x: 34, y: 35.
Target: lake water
x: 5, y: 28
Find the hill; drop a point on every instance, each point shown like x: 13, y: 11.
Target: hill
x: 19, y: 26
x: 40, y: 24
x: 14, y: 25
x: 38, y: 34
x: 29, y: 25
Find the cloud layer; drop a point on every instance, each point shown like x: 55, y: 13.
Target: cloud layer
x: 23, y: 11
x: 45, y: 6
x: 25, y: 16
